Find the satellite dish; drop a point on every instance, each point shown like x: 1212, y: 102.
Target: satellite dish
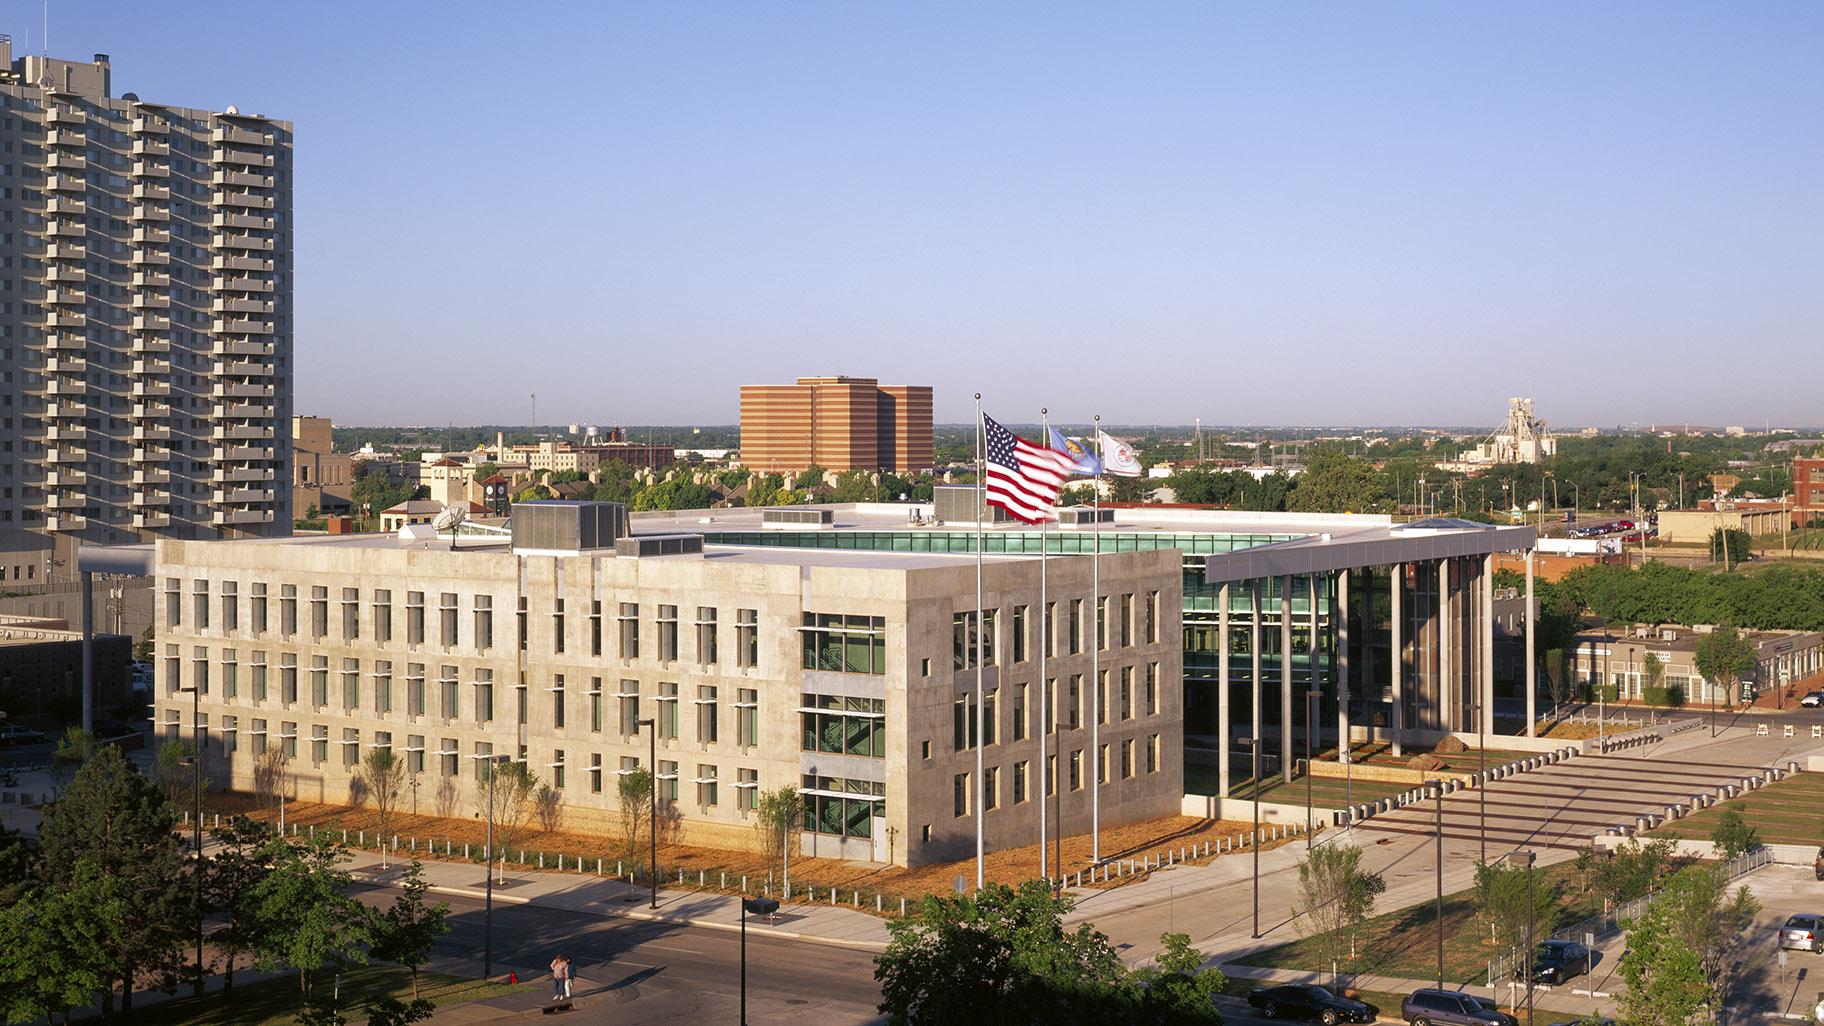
x: 450, y: 519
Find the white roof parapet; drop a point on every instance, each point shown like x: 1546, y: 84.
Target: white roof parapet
x: 1326, y: 553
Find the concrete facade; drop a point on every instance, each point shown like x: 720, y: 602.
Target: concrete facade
x: 147, y: 339
x: 715, y: 646
x: 1618, y: 656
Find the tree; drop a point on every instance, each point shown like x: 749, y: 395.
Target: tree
x: 1679, y: 959
x: 1733, y: 836
x: 305, y: 919
x: 109, y: 844
x: 1634, y: 870
x: 382, y: 775
x: 1335, y: 895
x: 270, y: 771
x: 1730, y: 546
x: 1652, y: 672
x: 1502, y: 894
x: 390, y: 1011
x: 51, y: 954
x: 405, y: 933
x: 1335, y: 482
x: 776, y: 814
x: 513, y: 786
x: 1724, y: 657
x: 635, y: 793
x: 232, y: 872
x: 72, y: 751
x: 173, y: 777
x: 1177, y: 987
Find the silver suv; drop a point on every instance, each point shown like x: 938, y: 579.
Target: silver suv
x: 1450, y: 1008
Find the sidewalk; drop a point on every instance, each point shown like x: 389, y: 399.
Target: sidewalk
x: 1556, y: 999
x: 576, y: 892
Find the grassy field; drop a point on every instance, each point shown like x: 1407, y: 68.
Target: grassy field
x: 275, y: 1002
x: 1789, y: 811
x: 1404, y: 943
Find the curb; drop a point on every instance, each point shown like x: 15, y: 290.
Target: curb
x: 633, y: 913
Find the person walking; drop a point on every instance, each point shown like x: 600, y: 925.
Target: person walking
x: 560, y: 978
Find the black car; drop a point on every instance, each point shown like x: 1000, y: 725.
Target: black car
x: 1559, y: 960
x: 1305, y: 1001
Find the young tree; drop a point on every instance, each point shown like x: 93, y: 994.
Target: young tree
x: 777, y: 814
x: 1724, y: 657
x: 1634, y: 870
x: 510, y: 795
x: 305, y: 918
x: 109, y: 844
x: 390, y: 1011
x: 74, y: 749
x: 635, y: 793
x: 382, y: 775
x: 1733, y: 836
x: 172, y: 776
x: 271, y: 770
x: 1502, y: 894
x: 1680, y: 954
x: 1652, y: 672
x: 1335, y: 895
x: 51, y: 956
x: 1176, y: 988
x: 232, y: 872
x: 405, y: 933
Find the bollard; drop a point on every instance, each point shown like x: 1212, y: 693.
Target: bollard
x: 541, y: 859
x: 465, y: 849
x: 344, y: 835
x: 743, y: 884
x: 218, y: 819
x: 902, y: 906
x: 857, y: 901
x: 724, y: 884
x: 700, y: 877
x: 361, y: 839
x: 832, y: 897
x: 877, y: 907
x: 680, y: 877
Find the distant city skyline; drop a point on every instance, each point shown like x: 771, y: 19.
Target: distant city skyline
x: 1246, y: 213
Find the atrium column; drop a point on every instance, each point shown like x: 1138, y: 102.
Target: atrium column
x: 1343, y: 636
x: 1488, y: 643
x: 1398, y: 582
x: 1223, y: 719
x: 1532, y: 682
x: 1285, y: 678
x: 1446, y: 693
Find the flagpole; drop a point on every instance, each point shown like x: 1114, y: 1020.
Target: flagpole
x: 981, y: 513
x: 1044, y: 640
x: 1095, y: 658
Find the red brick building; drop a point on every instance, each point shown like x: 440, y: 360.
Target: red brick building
x: 1807, y: 489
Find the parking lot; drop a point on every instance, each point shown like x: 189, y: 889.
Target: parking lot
x: 1763, y: 985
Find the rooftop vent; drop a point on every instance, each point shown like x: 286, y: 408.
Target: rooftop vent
x: 1084, y: 516
x: 797, y: 516
x: 955, y: 504
x: 641, y: 545
x: 558, y: 526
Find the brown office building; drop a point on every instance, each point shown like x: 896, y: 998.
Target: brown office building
x: 1808, y: 490
x: 837, y: 423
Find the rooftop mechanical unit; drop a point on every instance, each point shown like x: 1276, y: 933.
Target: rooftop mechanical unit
x: 565, y: 526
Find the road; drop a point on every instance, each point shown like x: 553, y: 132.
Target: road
x: 633, y: 971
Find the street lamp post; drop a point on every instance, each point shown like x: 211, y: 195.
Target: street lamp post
x: 1525, y: 858
x: 652, y: 828
x: 1311, y: 698
x: 759, y: 907
x: 196, y: 797
x: 1436, y: 788
x: 493, y: 763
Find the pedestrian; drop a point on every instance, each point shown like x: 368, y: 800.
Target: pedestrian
x: 560, y: 978
x: 568, y: 976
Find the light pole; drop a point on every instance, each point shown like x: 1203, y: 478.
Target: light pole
x: 759, y: 907
x: 1311, y: 698
x: 652, y: 828
x: 1525, y: 858
x: 1437, y: 790
x: 491, y: 767
x: 194, y: 761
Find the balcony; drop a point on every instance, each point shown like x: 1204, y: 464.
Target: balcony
x: 65, y: 365
x: 242, y: 326
x: 151, y: 432
x: 243, y: 516
x: 65, y: 274
x: 65, y: 183
x: 141, y: 389
x: 63, y: 229
x: 66, y: 251
x: 152, y: 456
x: 244, y: 411
x: 241, y: 496
x: 147, y: 192
x: 151, y: 499
x: 241, y: 475
x: 240, y: 137
x: 66, y: 389
x: 241, y: 433
x: 66, y: 137
x: 149, y: 258
x: 67, y: 294
x: 257, y: 223
x: 65, y: 116
x: 151, y: 301
x: 149, y: 345
x: 150, y: 411
x: 151, y: 237
x: 240, y: 263
x: 65, y: 411
x: 58, y: 319
x: 151, y: 476
x: 151, y: 520
x: 153, y: 366
x: 152, y: 280
x: 62, y: 340
x: 65, y: 523
x: 151, y: 126
x: 258, y: 306
x: 150, y: 213
x: 151, y: 148
x: 234, y: 157
x: 224, y: 284
x: 243, y: 179
x: 235, y: 240
x: 241, y: 348
x: 151, y: 322
x: 65, y: 479
x: 62, y: 433
x: 57, y: 160
x: 150, y: 169
x: 76, y: 455
x: 240, y: 454
x: 64, y: 206
x: 242, y: 199
x: 242, y: 369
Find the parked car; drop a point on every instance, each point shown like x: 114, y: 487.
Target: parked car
x: 1817, y: 865
x: 1305, y: 1001
x: 1558, y: 961
x: 1802, y: 933
x: 1812, y: 699
x: 1429, y: 1005
x: 1604, y: 1021
x: 16, y: 734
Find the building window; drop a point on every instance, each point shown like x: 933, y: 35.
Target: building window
x: 259, y: 677
x: 747, y: 717
x: 1152, y: 753
x: 959, y: 795
x: 1127, y: 758
x: 1076, y: 770
x: 288, y: 610
x: 383, y: 686
x: 256, y: 608
x: 843, y: 643
x: 414, y: 753
x: 1051, y: 775
x: 484, y: 621
x: 174, y: 602
x: 963, y: 639
x: 991, y: 716
x: 629, y: 697
x: 199, y: 602
x: 484, y: 694
x: 706, y: 635
x: 1019, y: 634
x: 557, y: 769
x: 1127, y: 620
x: 1127, y: 692
x: 449, y: 683
x: 747, y: 638
x: 520, y: 621
x: 706, y: 714
x: 558, y: 634
x: 288, y: 738
x: 847, y: 726
x: 351, y: 613
x: 1101, y: 696
x: 319, y: 681
x: 595, y: 627
x: 668, y: 710
x: 1050, y: 700
x: 629, y: 624
x: 319, y: 744
x: 1019, y: 712
x: 1073, y: 702
x: 963, y: 728
x: 383, y: 615
x: 446, y: 619
x: 1151, y: 624
x: 483, y: 761
x: 414, y: 617
x: 557, y: 702
x: 447, y: 755
x: 1152, y: 689
x: 595, y: 773
x: 414, y: 689
x: 706, y: 785
x: 231, y: 684
x: 351, y: 747
x: 319, y: 611
x: 258, y: 733
x: 595, y: 705
x: 668, y: 634
x: 840, y: 806
x: 747, y: 789
x: 667, y: 781
x: 1049, y: 629
x: 519, y: 701
x: 199, y: 670
x: 288, y: 678
x: 1102, y: 623
x: 991, y: 787
x: 351, y: 685
x: 1103, y: 769
x: 231, y: 606
x: 1075, y: 627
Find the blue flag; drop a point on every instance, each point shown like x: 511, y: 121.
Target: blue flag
x: 1084, y: 461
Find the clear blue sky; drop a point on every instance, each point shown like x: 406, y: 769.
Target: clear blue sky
x: 1252, y: 213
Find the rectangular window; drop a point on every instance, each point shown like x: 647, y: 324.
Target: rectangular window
x: 628, y: 623
x: 668, y: 634
x: 351, y: 613
x: 1051, y: 706
x: 259, y: 677
x: 484, y: 621
x: 747, y: 638
x: 667, y: 782
x: 231, y: 683
x: 1075, y: 627
x: 483, y: 759
x: 595, y: 772
x: 558, y: 634
x: 706, y: 714
x: 319, y: 611
x: 1050, y: 629
x: 414, y: 753
x: 351, y: 747
x: 256, y: 608
x: 747, y: 717
x: 288, y: 678
x: 962, y: 723
x: 1019, y: 634
x: 1152, y: 689
x: 319, y: 744
x: 747, y: 789
x: 446, y: 619
x: 231, y: 729
x: 288, y: 610
x: 319, y: 681
x: 1127, y: 692
x: 1101, y: 696
x: 843, y: 643
x: 447, y: 755
x: 963, y: 639
x: 706, y: 635
x: 843, y: 726
x: 1127, y: 759
x: 521, y: 620
x: 557, y: 769
x: 288, y: 738
x: 668, y: 710
x: 199, y: 604
x: 1076, y: 770
x: 174, y: 602
x: 1127, y: 620
x: 1102, y: 623
x: 1051, y: 775
x: 557, y: 702
x: 1073, y: 702
x: 383, y: 686
x: 383, y: 615
x: 449, y: 683
x: 629, y: 697
x: 484, y: 694
x: 595, y: 705
x: 231, y: 606
x: 199, y: 670
x: 414, y: 617
x: 351, y: 685
x: 1019, y: 783
x: 1105, y: 770
x: 1151, y: 623
x: 414, y: 689
x: 991, y: 788
x: 706, y: 785
x: 991, y: 715
x: 1152, y: 753
x: 1019, y: 712
x: 959, y: 795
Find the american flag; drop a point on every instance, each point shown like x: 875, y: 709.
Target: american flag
x: 1022, y: 478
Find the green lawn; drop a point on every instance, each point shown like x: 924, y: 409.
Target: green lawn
x: 1785, y: 812
x: 275, y: 1002
x: 1404, y: 943
x: 1325, y: 793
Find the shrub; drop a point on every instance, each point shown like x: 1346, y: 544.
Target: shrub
x: 1673, y: 696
